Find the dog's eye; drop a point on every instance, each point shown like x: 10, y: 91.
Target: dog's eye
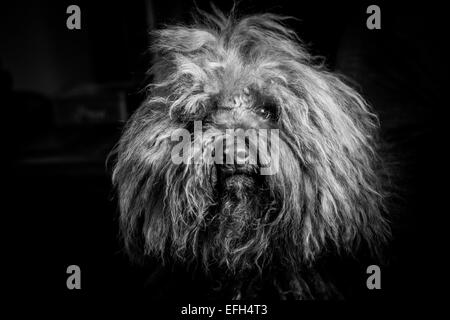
x: 267, y: 111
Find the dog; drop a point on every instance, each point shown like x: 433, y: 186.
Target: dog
x: 250, y: 233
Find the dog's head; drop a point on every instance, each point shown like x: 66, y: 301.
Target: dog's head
x: 314, y: 133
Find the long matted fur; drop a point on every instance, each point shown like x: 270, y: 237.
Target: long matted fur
x: 327, y: 195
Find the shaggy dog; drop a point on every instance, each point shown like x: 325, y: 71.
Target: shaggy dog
x: 249, y: 231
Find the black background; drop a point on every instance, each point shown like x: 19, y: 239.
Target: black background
x: 63, y: 211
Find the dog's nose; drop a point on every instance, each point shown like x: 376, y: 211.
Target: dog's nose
x: 234, y: 153
x: 237, y: 150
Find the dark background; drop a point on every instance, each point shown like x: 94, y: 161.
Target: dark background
x: 60, y: 207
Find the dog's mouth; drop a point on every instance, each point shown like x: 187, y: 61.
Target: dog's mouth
x: 237, y: 178
x: 229, y: 171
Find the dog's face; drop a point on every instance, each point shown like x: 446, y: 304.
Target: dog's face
x: 250, y: 75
